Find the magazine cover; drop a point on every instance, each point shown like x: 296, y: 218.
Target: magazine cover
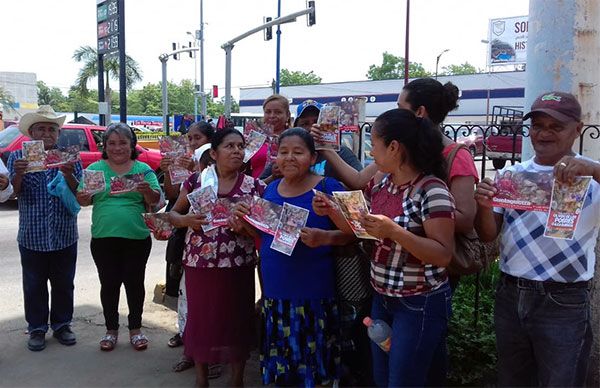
x: 125, y: 183
x: 272, y: 148
x: 221, y: 210
x: 178, y: 174
x: 93, y: 181
x: 287, y: 234
x: 523, y: 190
x: 56, y: 158
x: 264, y: 215
x: 159, y: 225
x: 350, y: 112
x: 254, y: 141
x: 329, y: 122
x: 174, y: 146
x: 353, y: 205
x: 567, y: 202
x: 202, y: 202
x: 33, y: 152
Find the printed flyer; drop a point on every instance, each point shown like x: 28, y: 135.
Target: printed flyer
x: 254, y: 141
x: 523, y: 190
x: 93, y: 181
x: 351, y: 110
x: 125, y: 183
x: 202, y: 201
x: 329, y: 122
x: 159, y: 225
x: 264, y: 215
x: 33, y: 152
x: 353, y: 205
x: 567, y: 202
x: 287, y: 234
x: 56, y: 158
x: 176, y: 147
x: 221, y: 211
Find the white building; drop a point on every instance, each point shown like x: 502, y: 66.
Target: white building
x: 23, y: 88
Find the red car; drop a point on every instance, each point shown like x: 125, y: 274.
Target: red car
x: 473, y: 140
x: 87, y: 137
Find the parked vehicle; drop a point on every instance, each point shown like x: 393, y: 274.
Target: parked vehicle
x: 473, y: 140
x: 87, y: 137
x: 504, y: 142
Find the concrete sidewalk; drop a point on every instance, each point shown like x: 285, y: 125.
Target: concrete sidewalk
x: 84, y: 365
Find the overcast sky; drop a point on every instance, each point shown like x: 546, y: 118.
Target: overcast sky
x: 40, y: 36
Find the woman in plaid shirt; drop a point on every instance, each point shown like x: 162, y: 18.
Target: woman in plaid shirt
x: 413, y: 216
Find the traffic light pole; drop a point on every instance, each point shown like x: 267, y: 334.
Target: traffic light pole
x: 228, y: 47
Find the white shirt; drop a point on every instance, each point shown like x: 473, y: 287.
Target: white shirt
x: 7, y: 192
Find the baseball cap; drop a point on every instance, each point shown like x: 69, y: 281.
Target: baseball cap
x: 564, y: 107
x: 311, y: 104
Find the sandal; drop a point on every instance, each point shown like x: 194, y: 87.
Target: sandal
x: 139, y: 341
x: 214, y: 371
x: 184, y: 363
x: 175, y: 341
x: 108, y: 342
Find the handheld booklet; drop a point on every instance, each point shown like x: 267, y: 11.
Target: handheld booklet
x: 56, y: 158
x: 287, y: 234
x: 176, y: 147
x: 202, y: 201
x: 159, y: 225
x: 93, y: 181
x: 33, y: 152
x: 221, y: 211
x: 125, y: 183
x: 350, y: 111
x: 353, y: 205
x: 254, y: 141
x: 523, y: 190
x: 565, y: 207
x: 264, y: 215
x: 329, y: 122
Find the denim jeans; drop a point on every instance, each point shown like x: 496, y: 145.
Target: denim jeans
x: 58, y: 267
x: 418, y: 355
x: 543, y: 334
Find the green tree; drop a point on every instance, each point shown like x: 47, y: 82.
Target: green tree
x: 392, y: 67
x: 465, y: 68
x: 52, y: 96
x: 291, y: 78
x: 6, y: 100
x: 89, y: 57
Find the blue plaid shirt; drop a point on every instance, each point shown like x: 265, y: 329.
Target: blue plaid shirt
x: 45, y: 224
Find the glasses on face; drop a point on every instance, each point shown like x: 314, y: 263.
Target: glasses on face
x: 44, y: 129
x: 554, y: 129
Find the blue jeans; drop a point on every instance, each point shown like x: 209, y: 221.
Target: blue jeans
x: 418, y: 354
x: 58, y: 267
x: 543, y: 333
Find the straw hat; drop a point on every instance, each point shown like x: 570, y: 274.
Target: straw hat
x: 44, y: 114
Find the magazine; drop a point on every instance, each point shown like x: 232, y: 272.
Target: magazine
x: 353, y: 205
x: 254, y: 141
x: 56, y: 158
x: 221, y: 210
x: 567, y: 202
x: 287, y: 234
x: 523, y: 190
x: 33, y: 152
x: 202, y: 201
x: 175, y: 147
x: 264, y: 215
x: 329, y: 123
x: 350, y: 112
x: 93, y: 181
x: 178, y: 174
x: 159, y: 225
x: 125, y: 183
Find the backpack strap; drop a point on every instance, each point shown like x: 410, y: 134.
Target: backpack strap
x: 450, y: 158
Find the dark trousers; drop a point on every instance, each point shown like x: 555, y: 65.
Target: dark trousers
x: 121, y: 261
x: 543, y: 332
x: 58, y: 267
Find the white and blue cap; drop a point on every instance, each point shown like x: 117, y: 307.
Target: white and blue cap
x: 307, y: 106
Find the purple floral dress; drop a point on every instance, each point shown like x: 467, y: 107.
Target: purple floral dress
x: 220, y: 247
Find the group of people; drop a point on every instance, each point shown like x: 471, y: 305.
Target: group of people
x: 313, y: 301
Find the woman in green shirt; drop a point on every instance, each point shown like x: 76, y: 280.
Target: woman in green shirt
x: 121, y: 242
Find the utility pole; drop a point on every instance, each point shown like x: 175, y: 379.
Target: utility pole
x: 406, y: 41
x: 122, y: 65
x: 278, y: 53
x: 201, y: 40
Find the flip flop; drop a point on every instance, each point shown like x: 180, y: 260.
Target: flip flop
x: 184, y: 363
x: 108, y: 342
x: 175, y: 341
x: 139, y: 341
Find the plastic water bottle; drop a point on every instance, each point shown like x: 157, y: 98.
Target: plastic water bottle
x: 379, y: 332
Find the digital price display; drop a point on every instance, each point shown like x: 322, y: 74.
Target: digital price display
x: 107, y: 19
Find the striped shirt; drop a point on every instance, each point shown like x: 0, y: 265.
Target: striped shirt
x: 394, y: 270
x: 45, y: 224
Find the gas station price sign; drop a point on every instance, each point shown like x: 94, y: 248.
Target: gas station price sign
x: 107, y: 17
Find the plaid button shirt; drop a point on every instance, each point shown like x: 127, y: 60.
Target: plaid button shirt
x: 45, y: 224
x: 394, y: 270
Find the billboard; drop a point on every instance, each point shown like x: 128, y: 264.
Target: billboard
x: 507, y: 40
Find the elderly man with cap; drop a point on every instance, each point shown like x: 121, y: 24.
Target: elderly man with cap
x: 542, y: 312
x: 47, y: 234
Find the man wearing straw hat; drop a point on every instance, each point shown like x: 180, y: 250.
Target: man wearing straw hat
x: 47, y: 234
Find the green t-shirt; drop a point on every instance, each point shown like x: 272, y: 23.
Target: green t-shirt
x: 120, y: 215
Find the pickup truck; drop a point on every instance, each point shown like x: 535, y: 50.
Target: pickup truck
x: 502, y: 144
x: 87, y: 137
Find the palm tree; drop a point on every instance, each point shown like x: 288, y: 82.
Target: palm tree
x: 6, y: 100
x: 89, y: 56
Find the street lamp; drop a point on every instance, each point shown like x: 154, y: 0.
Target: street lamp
x: 437, y: 61
x: 196, y: 90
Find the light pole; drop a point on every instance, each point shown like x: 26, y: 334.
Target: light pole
x: 487, y: 104
x: 437, y: 61
x: 406, y: 41
x: 195, y: 76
